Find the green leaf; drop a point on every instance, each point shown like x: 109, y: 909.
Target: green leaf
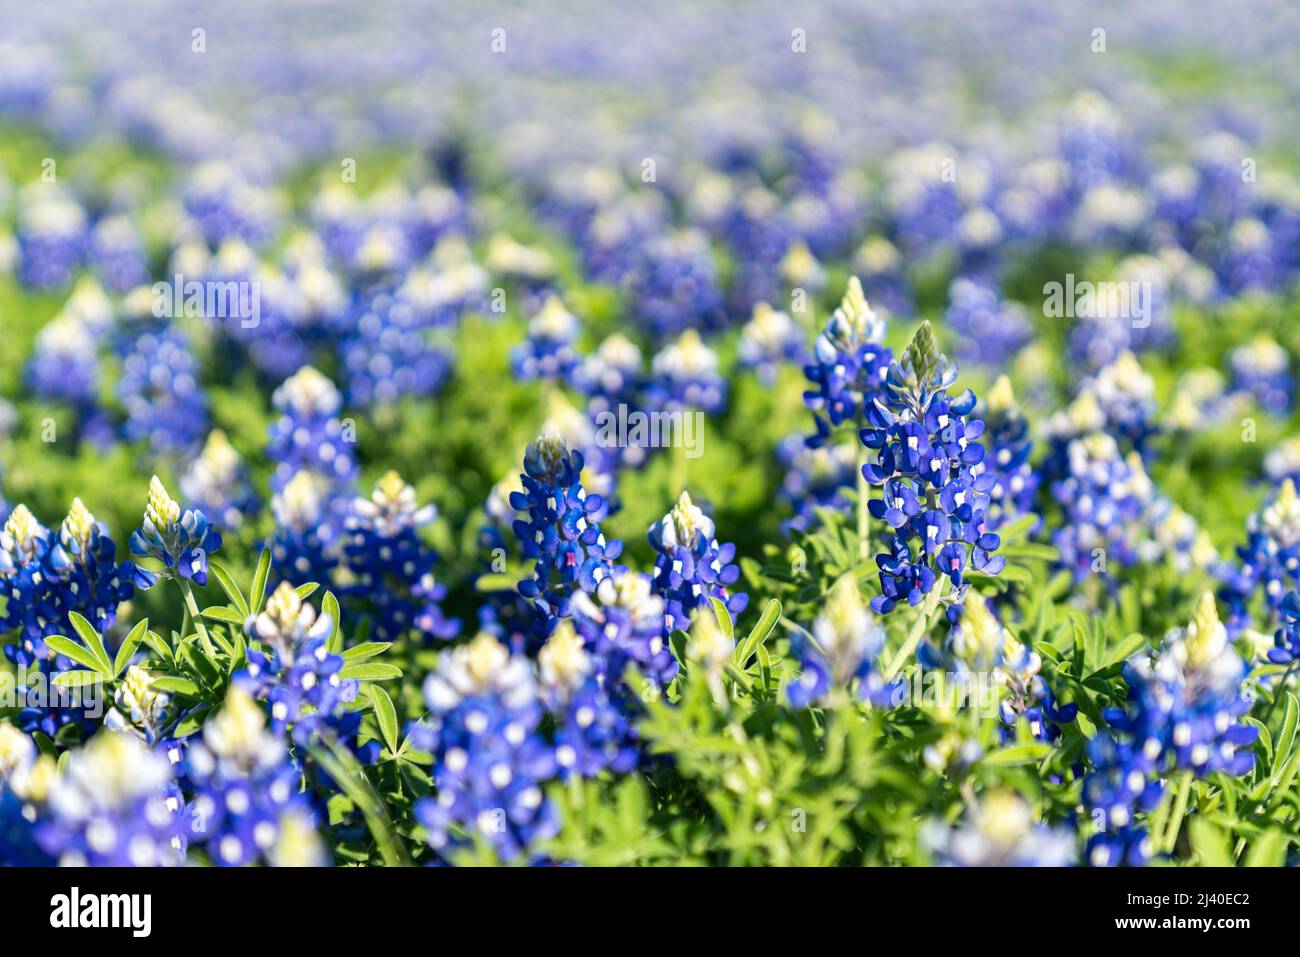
x: 175, y: 684
x: 1210, y: 844
x: 330, y: 606
x: 368, y: 650
x: 306, y: 591
x: 486, y: 584
x: 386, y: 715
x: 91, y: 637
x: 1286, y: 737
x: 1017, y: 754
x: 368, y: 671
x: 129, y: 644
x: 77, y: 679
x: 227, y: 583
x: 724, y: 619
x: 760, y: 632
x: 258, y: 591
x: 83, y: 656
x: 224, y: 613
x: 1268, y: 851
x: 159, y: 646
x: 193, y: 722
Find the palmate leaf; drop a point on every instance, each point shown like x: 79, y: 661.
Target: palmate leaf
x: 386, y: 715
x: 86, y: 631
x: 129, y: 645
x: 82, y: 655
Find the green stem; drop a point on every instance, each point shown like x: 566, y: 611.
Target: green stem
x: 339, y: 764
x: 919, y: 627
x: 1170, y: 837
x: 193, y: 607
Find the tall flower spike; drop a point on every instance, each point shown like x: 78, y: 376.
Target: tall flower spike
x: 182, y: 541
x: 935, y: 495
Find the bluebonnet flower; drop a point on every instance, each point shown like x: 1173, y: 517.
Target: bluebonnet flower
x: 848, y: 366
x: 1185, y: 702
x: 248, y: 801
x: 924, y: 205
x: 625, y: 623
x: 1286, y: 640
x: 65, y: 363
x: 114, y: 804
x: 612, y: 375
x: 989, y: 330
x: 692, y: 566
x: 1006, y: 436
x: 117, y: 254
x: 1001, y: 832
x: 1119, y: 400
x: 140, y: 708
x: 1103, y: 496
x: 393, y: 352
x: 1200, y: 402
x: 768, y: 340
x: 51, y: 242
x: 490, y: 762
x: 548, y: 352
x: 979, y: 644
x: 934, y: 497
x: 46, y: 577
x: 818, y: 477
x: 1248, y: 261
x: 164, y: 402
x: 390, y: 567
x: 880, y: 267
x: 225, y: 205
x: 674, y: 286
x: 1269, y: 563
x: 217, y: 483
x: 1262, y: 368
x: 297, y: 674
x: 309, y: 433
x: 561, y: 532
x: 684, y: 376
x: 181, y: 541
x: 593, y: 732
x: 1283, y: 462
x: 24, y: 782
x: 306, y: 545
x: 800, y: 268
x: 842, y: 650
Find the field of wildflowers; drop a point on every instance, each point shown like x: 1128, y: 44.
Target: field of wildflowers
x: 710, y: 434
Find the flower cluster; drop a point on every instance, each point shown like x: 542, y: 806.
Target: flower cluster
x: 45, y: 577
x: 114, y: 804
x: 549, y: 351
x: 989, y: 330
x: 1001, y: 833
x: 248, y: 803
x: 390, y: 567
x: 692, y: 567
x: 182, y: 542
x: 217, y: 484
x: 1268, y: 564
x: 561, y: 532
x: 489, y: 760
x: 1006, y: 436
x: 849, y: 365
x: 1184, y: 709
x: 843, y: 648
x: 934, y: 496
